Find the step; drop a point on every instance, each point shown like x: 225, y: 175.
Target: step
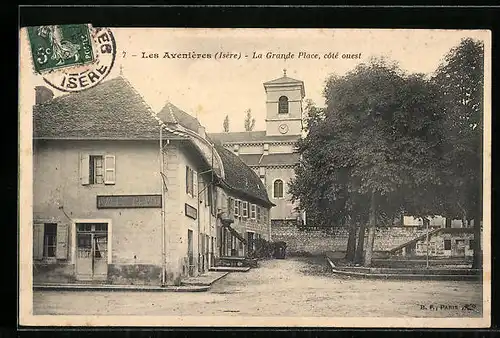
x: 230, y: 268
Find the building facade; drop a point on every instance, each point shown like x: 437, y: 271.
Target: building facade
x: 121, y: 194
x: 272, y: 153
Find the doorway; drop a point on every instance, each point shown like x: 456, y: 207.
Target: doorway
x: 91, y: 251
x: 190, y: 253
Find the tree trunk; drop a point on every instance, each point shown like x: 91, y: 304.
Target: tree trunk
x: 371, y: 232
x: 464, y: 221
x: 361, y: 244
x: 477, y: 261
x: 351, y: 242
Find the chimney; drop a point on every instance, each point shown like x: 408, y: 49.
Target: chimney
x: 43, y: 94
x: 201, y: 131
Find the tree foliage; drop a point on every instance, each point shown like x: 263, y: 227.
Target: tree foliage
x: 390, y: 142
x: 225, y: 124
x: 460, y: 82
x: 371, y: 147
x: 460, y: 79
x: 249, y: 120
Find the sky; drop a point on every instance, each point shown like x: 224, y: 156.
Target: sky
x: 210, y: 89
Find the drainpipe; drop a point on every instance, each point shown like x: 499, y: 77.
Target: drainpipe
x: 198, y: 206
x: 427, y: 245
x: 163, y: 251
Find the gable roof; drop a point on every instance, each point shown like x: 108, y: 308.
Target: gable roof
x: 251, y: 136
x: 285, y: 80
x: 112, y: 109
x: 171, y: 113
x: 241, y: 178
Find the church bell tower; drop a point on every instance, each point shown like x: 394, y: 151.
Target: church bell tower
x: 284, y: 98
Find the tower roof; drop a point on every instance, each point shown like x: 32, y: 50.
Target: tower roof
x: 285, y: 80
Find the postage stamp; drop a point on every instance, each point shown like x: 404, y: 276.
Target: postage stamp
x: 60, y: 46
x: 71, y: 58
x: 255, y: 177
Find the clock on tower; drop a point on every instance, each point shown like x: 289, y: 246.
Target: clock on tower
x: 283, y: 128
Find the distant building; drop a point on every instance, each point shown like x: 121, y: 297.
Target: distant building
x: 271, y: 153
x: 109, y: 205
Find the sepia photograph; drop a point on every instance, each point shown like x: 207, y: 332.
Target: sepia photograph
x: 254, y: 177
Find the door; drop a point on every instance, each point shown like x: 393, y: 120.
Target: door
x: 190, y: 253
x: 212, y: 252
x: 460, y: 247
x: 207, y: 251
x: 92, y: 251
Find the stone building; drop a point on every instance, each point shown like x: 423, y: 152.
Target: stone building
x: 271, y: 153
x: 124, y: 195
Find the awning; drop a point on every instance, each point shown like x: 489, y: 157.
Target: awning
x: 236, y: 234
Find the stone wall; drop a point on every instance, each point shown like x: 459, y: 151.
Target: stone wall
x: 317, y: 240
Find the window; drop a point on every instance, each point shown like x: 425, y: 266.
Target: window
x: 283, y: 105
x: 278, y: 189
x: 213, y: 194
x: 191, y: 182
x: 471, y: 244
x: 97, y: 169
x: 230, y: 206
x: 236, y: 208
x: 49, y: 240
x: 447, y: 244
x: 210, y: 195
x: 253, y: 211
x: 258, y: 213
x: 244, y: 209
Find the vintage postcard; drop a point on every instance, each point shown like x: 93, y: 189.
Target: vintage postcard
x: 254, y: 177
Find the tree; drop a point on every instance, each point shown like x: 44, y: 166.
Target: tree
x: 373, y: 145
x: 460, y: 79
x: 249, y: 120
x: 225, y: 125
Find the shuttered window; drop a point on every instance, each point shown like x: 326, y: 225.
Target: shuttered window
x: 244, y: 212
x: 195, y: 183
x: 191, y: 182
x: 109, y: 167
x: 236, y: 207
x: 38, y: 231
x: 253, y: 211
x: 50, y: 241
x: 97, y: 169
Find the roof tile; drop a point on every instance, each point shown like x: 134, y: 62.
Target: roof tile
x: 112, y: 110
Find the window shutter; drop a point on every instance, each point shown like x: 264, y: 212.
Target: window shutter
x: 38, y: 230
x: 195, y: 184
x: 110, y: 167
x: 84, y: 169
x: 62, y: 241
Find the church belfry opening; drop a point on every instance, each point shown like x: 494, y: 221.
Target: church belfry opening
x: 283, y: 105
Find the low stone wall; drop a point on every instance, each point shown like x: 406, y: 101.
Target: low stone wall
x: 53, y: 273
x: 137, y: 274
x: 134, y: 274
x: 317, y: 240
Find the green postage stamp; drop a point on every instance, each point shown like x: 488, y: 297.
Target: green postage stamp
x: 60, y: 46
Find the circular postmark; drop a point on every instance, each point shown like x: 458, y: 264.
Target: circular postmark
x: 81, y: 77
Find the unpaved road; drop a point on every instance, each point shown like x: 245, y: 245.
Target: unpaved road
x: 292, y: 287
